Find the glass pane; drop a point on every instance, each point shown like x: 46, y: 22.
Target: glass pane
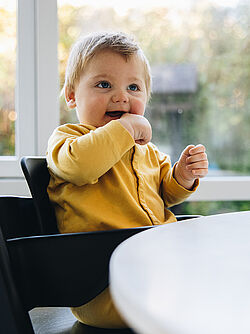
x: 199, y: 53
x: 210, y: 207
x: 7, y: 76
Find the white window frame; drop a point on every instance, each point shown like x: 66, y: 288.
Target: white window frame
x: 38, y: 106
x: 37, y: 88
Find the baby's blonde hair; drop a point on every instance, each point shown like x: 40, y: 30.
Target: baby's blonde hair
x: 85, y: 48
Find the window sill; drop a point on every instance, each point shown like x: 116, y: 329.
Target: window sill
x: 235, y: 188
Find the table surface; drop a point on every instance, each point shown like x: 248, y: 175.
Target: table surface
x: 60, y: 320
x: 190, y: 277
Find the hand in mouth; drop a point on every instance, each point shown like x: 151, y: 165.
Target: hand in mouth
x: 115, y: 113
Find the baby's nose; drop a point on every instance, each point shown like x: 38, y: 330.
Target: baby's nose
x: 120, y: 97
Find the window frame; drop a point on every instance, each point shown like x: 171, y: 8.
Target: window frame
x: 37, y: 102
x: 36, y: 98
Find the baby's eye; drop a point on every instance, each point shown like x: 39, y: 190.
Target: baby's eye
x: 133, y: 87
x: 104, y: 84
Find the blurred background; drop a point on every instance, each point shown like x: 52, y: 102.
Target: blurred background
x: 199, y: 52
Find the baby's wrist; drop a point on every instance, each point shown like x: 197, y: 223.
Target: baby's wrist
x: 187, y: 184
x: 127, y: 126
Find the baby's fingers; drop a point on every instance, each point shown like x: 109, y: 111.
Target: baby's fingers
x: 197, y: 157
x: 199, y: 173
x: 197, y: 149
x: 198, y: 165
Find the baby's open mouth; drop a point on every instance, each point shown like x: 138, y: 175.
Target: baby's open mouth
x: 116, y: 113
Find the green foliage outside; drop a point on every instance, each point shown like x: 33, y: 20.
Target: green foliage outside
x: 210, y: 207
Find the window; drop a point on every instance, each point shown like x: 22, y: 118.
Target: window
x: 36, y: 89
x: 198, y: 51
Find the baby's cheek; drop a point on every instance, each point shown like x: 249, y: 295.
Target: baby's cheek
x: 138, y: 108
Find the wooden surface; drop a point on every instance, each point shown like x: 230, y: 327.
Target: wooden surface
x: 191, y: 277
x: 60, y: 320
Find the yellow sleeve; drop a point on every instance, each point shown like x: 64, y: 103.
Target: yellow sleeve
x: 80, y: 156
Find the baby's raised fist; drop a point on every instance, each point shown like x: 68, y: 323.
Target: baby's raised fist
x: 138, y: 126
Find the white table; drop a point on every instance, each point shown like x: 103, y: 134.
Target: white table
x: 190, y: 277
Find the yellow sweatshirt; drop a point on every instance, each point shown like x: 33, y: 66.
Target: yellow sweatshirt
x: 102, y: 180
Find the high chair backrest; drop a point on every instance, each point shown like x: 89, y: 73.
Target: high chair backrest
x: 37, y: 176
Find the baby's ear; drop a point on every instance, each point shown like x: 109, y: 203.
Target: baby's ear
x: 70, y: 98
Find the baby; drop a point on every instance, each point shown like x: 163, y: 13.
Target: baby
x: 105, y: 172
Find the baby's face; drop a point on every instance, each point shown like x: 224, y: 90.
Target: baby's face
x: 109, y: 87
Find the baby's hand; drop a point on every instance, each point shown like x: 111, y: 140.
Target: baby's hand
x: 138, y: 126
x: 193, y: 164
